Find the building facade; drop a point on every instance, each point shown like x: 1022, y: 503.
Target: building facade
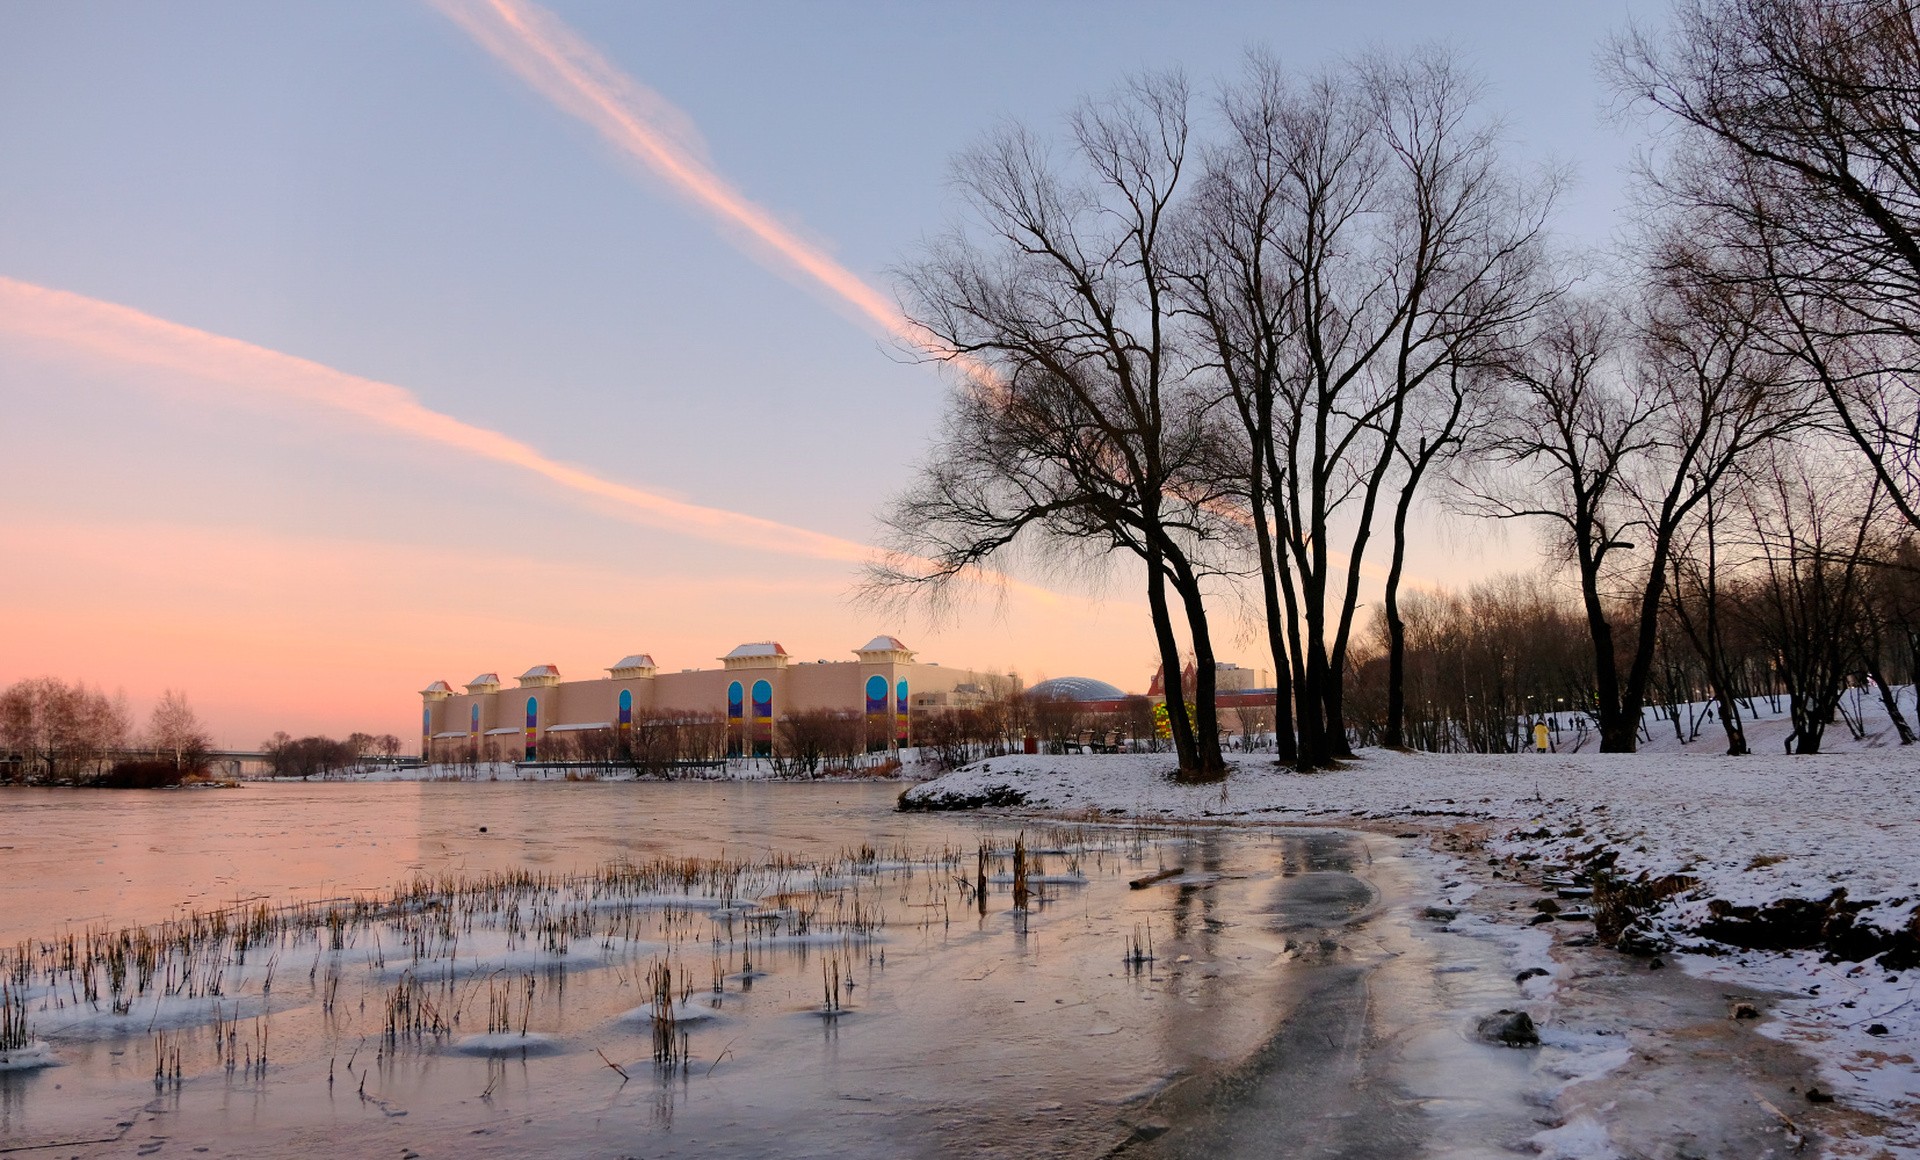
x: 757, y: 684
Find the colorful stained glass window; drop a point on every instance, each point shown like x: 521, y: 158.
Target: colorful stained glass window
x: 736, y: 709
x: 762, y: 719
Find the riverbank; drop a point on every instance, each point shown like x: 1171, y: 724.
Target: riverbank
x: 1797, y: 877
x: 733, y: 769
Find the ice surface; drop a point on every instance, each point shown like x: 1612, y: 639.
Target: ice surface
x: 1746, y: 831
x: 1582, y: 1138
x: 32, y: 1057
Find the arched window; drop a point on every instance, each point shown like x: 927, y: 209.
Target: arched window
x: 473, y: 718
x: 532, y: 746
x: 879, y: 727
x: 736, y: 709
x: 900, y: 713
x: 762, y: 719
x: 626, y: 708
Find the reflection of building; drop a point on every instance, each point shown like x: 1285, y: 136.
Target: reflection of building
x: 756, y: 685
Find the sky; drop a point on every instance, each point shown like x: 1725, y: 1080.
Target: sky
x: 349, y: 346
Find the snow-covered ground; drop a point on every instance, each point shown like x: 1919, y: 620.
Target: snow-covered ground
x: 1767, y: 721
x: 1724, y: 834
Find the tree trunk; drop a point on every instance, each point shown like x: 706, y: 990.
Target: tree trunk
x: 1891, y: 702
x: 1206, y: 708
x: 1285, y: 748
x: 1619, y: 731
x: 1178, y: 723
x: 1335, y: 737
x: 1394, y: 735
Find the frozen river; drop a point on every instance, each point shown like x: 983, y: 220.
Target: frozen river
x: 842, y: 985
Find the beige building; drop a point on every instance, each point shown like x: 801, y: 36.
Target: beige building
x: 756, y: 685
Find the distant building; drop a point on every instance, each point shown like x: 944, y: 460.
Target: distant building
x: 757, y: 684
x: 1227, y: 678
x: 1096, y: 695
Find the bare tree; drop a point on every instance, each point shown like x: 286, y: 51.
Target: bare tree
x: 1084, y: 436
x: 1811, y: 533
x: 1884, y: 588
x: 1699, y: 611
x: 61, y: 731
x: 1358, y: 244
x: 1801, y: 155
x: 306, y: 757
x: 1481, y: 667
x: 818, y: 740
x: 1621, y: 425
x: 175, y: 729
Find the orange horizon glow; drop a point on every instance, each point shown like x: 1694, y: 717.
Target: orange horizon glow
x: 268, y: 629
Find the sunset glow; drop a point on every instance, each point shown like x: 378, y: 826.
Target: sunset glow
x: 103, y: 330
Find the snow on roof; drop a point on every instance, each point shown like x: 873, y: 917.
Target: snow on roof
x: 539, y: 671
x: 438, y: 687
x: 636, y: 661
x: 484, y: 679
x: 500, y: 732
x: 758, y: 648
x: 578, y: 728
x: 883, y: 644
x: 444, y: 736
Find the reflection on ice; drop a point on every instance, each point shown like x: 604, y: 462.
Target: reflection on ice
x: 496, y: 1008
x: 916, y: 994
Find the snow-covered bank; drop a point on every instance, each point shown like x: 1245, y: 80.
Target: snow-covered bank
x: 1795, y: 874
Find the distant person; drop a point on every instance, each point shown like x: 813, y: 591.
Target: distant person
x: 1540, y: 737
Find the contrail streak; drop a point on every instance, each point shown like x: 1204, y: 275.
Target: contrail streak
x: 638, y: 122
x: 572, y: 74
x: 124, y: 335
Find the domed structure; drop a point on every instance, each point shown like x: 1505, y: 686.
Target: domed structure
x: 1075, y: 689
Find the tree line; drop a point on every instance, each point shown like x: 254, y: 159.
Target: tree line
x: 1246, y: 350
x: 52, y: 732
x: 323, y: 756
x: 57, y: 733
